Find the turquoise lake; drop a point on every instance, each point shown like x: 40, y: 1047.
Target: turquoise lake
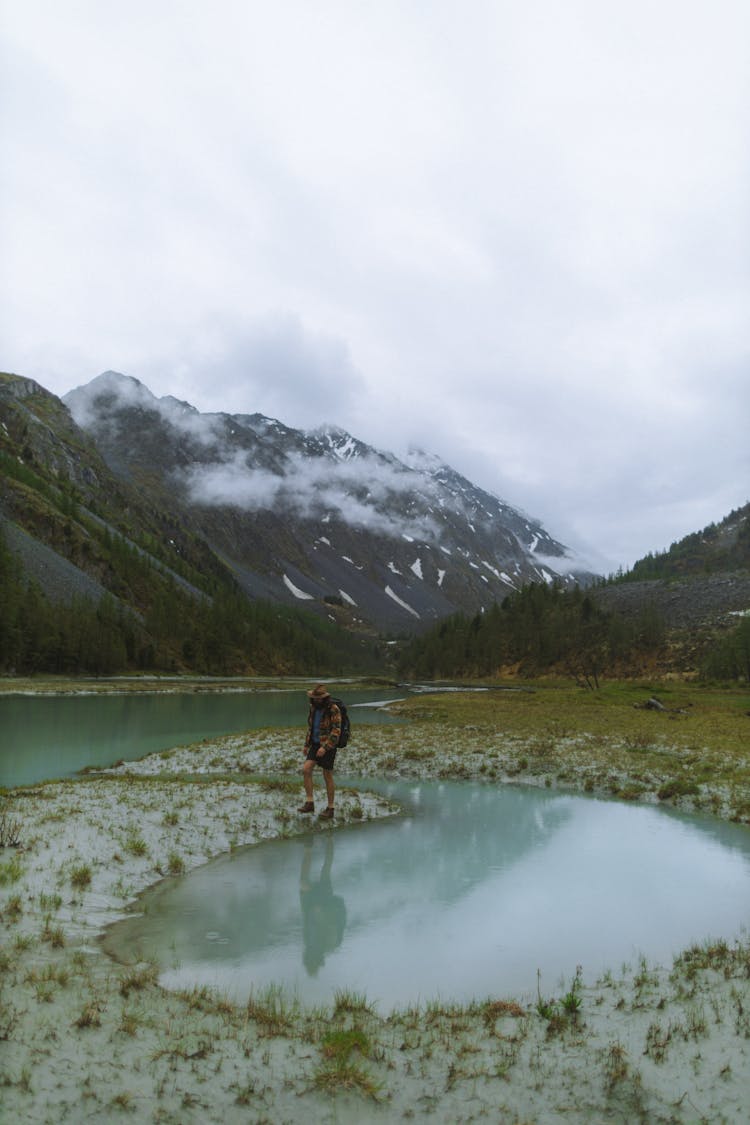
x: 54, y: 736
x: 469, y: 893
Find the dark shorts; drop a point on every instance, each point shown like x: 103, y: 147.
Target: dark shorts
x: 325, y: 761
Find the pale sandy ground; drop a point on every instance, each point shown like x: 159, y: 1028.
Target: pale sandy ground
x: 84, y: 1039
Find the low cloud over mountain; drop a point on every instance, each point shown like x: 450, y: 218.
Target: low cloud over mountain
x: 318, y: 516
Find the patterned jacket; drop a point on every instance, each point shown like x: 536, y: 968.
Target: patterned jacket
x: 330, y: 727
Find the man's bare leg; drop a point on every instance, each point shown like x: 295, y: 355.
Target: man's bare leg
x: 330, y: 787
x: 307, y: 781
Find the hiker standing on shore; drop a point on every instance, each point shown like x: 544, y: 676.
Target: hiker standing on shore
x: 321, y: 742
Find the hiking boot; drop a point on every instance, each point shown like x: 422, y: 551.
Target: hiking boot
x: 327, y: 814
x: 307, y: 807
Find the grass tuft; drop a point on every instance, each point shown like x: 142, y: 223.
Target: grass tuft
x: 271, y: 1012
x: 80, y: 877
x: 138, y: 979
x: 352, y: 1002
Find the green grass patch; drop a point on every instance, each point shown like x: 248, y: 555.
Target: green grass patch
x: 340, y: 1043
x: 175, y: 864
x: 340, y: 1070
x: 11, y: 871
x: 331, y: 1079
x: 272, y: 1013
x: 135, y: 844
x: 80, y: 876
x: 600, y: 739
x: 138, y: 979
x: 677, y: 787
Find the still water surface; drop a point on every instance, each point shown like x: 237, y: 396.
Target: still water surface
x: 464, y: 896
x: 44, y: 737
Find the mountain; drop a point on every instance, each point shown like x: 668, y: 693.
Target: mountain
x: 319, y: 519
x: 98, y: 576
x: 684, y: 613
x: 699, y: 587
x: 235, y: 543
x: 722, y: 546
x: 57, y: 490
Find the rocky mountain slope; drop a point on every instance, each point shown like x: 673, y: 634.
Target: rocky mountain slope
x: 60, y: 501
x: 702, y: 580
x: 319, y: 519
x: 699, y: 587
x: 149, y: 501
x: 71, y: 532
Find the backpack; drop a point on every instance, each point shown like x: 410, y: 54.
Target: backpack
x: 346, y: 725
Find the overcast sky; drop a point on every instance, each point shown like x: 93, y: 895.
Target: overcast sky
x: 514, y: 233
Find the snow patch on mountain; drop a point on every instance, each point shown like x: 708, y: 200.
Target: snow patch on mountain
x: 400, y: 601
x: 296, y: 590
x: 274, y: 500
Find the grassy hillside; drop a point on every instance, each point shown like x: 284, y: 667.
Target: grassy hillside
x: 723, y: 546
x: 693, y: 621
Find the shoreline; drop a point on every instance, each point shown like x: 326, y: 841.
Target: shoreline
x: 150, y: 683
x: 89, y: 1038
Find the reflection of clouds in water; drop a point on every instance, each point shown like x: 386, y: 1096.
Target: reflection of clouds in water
x: 473, y: 889
x: 323, y: 912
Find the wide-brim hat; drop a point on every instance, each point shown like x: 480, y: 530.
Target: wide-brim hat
x: 319, y: 693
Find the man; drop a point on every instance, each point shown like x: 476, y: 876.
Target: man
x: 321, y: 742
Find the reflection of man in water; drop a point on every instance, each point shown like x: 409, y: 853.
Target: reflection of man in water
x: 323, y: 912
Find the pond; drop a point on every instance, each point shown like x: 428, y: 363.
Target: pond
x: 467, y: 894
x: 54, y: 736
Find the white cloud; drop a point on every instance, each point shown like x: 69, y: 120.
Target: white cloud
x: 129, y: 392
x: 363, y: 491
x: 513, y: 234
